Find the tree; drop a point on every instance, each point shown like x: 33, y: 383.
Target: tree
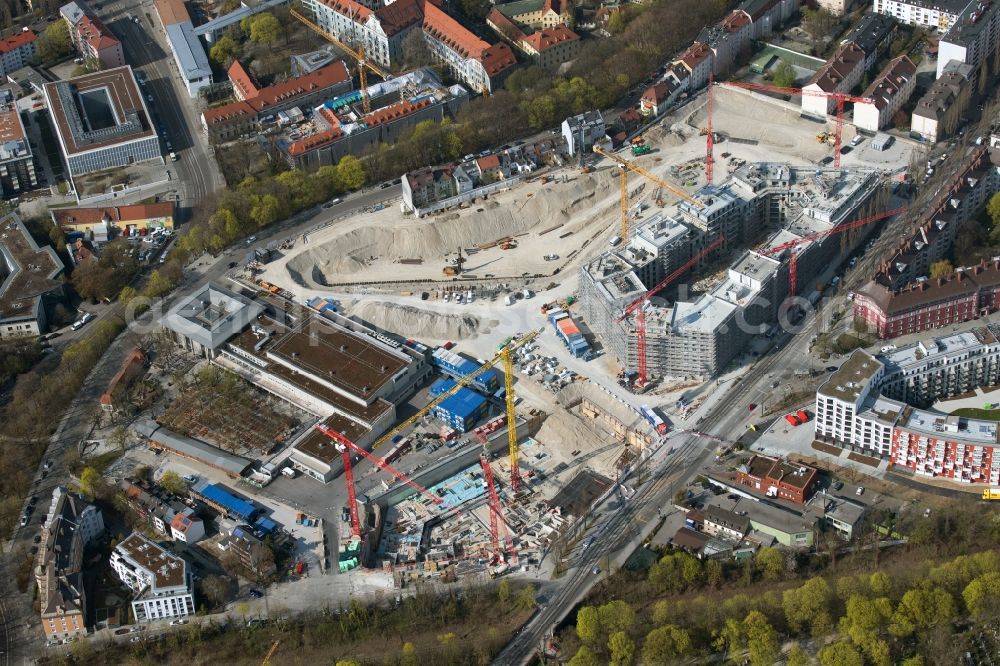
x: 864, y: 618
x: 408, y: 657
x: 224, y: 51
x: 351, y: 173
x: 818, y: 23
x: 216, y: 588
x: 940, y: 269
x: 347, y: 662
x: 762, y: 639
x: 503, y: 592
x: 119, y: 438
x: 771, y: 563
x: 808, y: 606
x: 666, y: 644
x: 266, y: 210
x: 840, y: 654
x: 54, y: 43
x: 584, y: 657
x: 783, y: 75
x: 415, y: 51
x: 622, y: 649
x: 920, y: 609
x: 588, y: 624
x: 172, y: 482
x: 797, y: 656
x: 993, y: 210
x: 90, y: 482
x: 264, y: 28
x: 526, y: 598
x: 475, y: 9
x: 982, y: 595
x: 616, y: 616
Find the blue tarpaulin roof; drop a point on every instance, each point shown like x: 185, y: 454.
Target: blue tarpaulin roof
x: 463, y: 404
x: 265, y: 524
x: 233, y: 505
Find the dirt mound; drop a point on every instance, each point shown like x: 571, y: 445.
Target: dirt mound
x: 411, y: 321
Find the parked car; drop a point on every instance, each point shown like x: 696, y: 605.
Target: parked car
x: 190, y: 479
x: 177, y: 623
x: 860, y: 491
x: 256, y: 594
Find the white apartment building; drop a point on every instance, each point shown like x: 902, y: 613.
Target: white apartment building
x: 888, y: 93
x: 17, y: 51
x: 974, y: 36
x: 872, y: 405
x: 931, y: 14
x: 841, y: 73
x: 159, y: 579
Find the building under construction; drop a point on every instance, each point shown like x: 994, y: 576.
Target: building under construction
x: 699, y: 334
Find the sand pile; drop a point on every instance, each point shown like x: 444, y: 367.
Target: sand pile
x: 387, y: 238
x: 410, y: 321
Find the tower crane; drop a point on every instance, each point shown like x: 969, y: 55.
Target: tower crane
x: 625, y: 166
x: 709, y: 140
x: 820, y: 235
x: 358, y: 55
x: 837, y: 97
x: 638, y: 306
x: 496, y: 512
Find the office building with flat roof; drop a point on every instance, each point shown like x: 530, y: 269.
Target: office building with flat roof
x: 101, y: 121
x: 28, y: 275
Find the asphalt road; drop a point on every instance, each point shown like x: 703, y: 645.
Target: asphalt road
x: 175, y: 113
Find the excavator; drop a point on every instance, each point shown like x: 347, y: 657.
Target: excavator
x: 455, y: 267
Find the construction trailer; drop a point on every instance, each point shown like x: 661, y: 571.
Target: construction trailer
x: 457, y: 366
x: 569, y: 333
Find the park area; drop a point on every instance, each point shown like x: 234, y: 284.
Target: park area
x: 218, y: 407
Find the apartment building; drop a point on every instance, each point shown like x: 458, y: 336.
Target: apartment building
x: 938, y: 113
x: 69, y: 526
x: 841, y: 74
x: 581, y: 132
x: 973, y: 37
x: 253, y: 105
x: 91, y: 37
x: 29, y: 276
x: 17, y: 164
x: 159, y: 579
x: 17, y: 51
x: 874, y: 33
x: 930, y: 14
x: 887, y: 94
x: 887, y: 420
x: 474, y: 62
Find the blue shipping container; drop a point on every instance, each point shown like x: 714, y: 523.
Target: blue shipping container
x: 462, y: 410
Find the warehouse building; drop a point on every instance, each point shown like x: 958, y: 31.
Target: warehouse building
x: 877, y: 405
x: 225, y: 502
x: 700, y: 337
x: 101, y: 121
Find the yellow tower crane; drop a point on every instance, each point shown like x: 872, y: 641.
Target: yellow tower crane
x: 508, y: 383
x: 358, y: 55
x: 626, y: 166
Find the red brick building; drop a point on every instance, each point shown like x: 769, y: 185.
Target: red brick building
x: 777, y: 478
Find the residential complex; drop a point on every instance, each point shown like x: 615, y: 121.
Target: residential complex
x: 702, y: 336
x: 841, y: 73
x: 340, y: 126
x: 581, y: 132
x: 874, y: 33
x: 479, y: 65
x: 972, y: 39
x: 17, y: 164
x: 899, y: 299
x: 92, y: 39
x: 537, y: 28
x: 185, y: 47
x: 262, y: 106
x: 159, y: 579
x: 29, y: 275
x: 938, y: 113
x: 877, y: 405
x: 101, y: 121
x: 932, y: 14
x: 70, y: 525
x: 17, y: 51
x: 888, y: 93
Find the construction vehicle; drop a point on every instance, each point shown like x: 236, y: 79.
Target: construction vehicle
x: 624, y: 165
x: 822, y: 137
x: 454, y: 267
x: 638, y: 307
x: 639, y: 146
x: 991, y: 493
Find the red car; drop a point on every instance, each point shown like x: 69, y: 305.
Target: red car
x: 752, y: 406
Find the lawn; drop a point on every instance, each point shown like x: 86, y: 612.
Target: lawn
x: 977, y: 413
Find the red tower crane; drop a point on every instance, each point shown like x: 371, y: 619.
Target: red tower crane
x: 346, y: 447
x: 638, y: 305
x: 710, y: 141
x: 819, y: 235
x: 839, y: 98
x: 496, y: 512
